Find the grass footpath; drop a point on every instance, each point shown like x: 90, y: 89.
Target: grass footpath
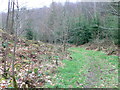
x: 87, y: 69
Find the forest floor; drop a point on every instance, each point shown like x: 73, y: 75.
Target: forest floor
x: 44, y: 65
x: 35, y: 62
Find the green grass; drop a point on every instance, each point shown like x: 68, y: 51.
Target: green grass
x: 88, y: 68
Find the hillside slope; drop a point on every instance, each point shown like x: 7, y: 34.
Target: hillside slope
x: 35, y: 61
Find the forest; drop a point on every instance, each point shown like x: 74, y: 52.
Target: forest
x: 70, y: 45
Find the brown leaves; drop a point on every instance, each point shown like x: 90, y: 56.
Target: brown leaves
x: 30, y: 55
x: 109, y: 50
x: 33, y: 56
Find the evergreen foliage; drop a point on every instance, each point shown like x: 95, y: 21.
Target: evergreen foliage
x: 29, y: 34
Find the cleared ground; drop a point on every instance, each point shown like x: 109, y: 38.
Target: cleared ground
x: 87, y: 69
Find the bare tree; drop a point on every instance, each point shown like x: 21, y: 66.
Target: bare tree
x: 5, y: 41
x: 16, y: 36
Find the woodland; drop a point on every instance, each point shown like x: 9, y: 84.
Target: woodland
x: 70, y: 45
